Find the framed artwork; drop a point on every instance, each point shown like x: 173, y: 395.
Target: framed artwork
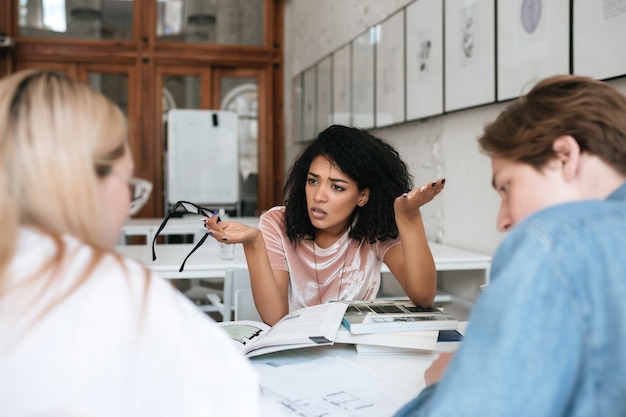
x: 298, y: 108
x: 469, y: 73
x: 599, y: 33
x: 389, y: 40
x: 424, y: 59
x: 533, y: 43
x: 341, y: 91
x: 309, y: 105
x: 362, y: 72
x: 324, y: 93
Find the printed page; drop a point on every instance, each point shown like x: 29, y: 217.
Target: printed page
x: 244, y: 332
x: 316, y: 321
x: 332, y: 387
x: 422, y: 340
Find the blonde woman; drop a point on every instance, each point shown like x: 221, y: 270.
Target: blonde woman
x: 84, y: 331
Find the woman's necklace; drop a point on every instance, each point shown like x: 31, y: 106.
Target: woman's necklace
x: 317, y: 279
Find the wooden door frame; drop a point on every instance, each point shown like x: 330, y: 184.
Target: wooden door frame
x: 143, y: 57
x: 264, y: 153
x: 160, y: 71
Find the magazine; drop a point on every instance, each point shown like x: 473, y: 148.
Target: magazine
x: 394, y: 316
x: 447, y: 341
x: 310, y: 326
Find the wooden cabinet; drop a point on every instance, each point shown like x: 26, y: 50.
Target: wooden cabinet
x: 147, y: 72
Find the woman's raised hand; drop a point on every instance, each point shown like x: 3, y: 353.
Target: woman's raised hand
x: 408, y: 204
x: 230, y: 232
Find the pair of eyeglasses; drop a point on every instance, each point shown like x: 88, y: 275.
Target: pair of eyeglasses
x: 185, y: 207
x: 140, y: 190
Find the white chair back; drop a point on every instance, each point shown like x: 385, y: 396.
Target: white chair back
x: 244, y: 305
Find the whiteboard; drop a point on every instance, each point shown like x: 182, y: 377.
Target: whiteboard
x: 202, y: 157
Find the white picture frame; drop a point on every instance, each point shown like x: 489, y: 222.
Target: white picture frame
x: 324, y: 93
x: 599, y: 33
x: 533, y: 43
x: 362, y: 75
x: 469, y: 72
x: 342, y: 109
x: 390, y: 88
x: 424, y: 59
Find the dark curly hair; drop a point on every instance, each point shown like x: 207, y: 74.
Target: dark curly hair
x: 370, y: 162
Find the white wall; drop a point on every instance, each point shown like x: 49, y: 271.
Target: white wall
x: 445, y: 146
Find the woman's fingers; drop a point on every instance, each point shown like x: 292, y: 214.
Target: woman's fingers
x: 421, y: 195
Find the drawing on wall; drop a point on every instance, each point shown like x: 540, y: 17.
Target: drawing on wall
x: 469, y: 53
x: 613, y: 8
x: 530, y: 15
x: 469, y: 23
x: 423, y: 55
x: 533, y: 43
x: 600, y: 31
x: 390, y: 71
x: 531, y: 22
x: 424, y: 59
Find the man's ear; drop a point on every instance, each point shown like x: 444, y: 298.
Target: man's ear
x: 568, y: 154
x: 364, y: 197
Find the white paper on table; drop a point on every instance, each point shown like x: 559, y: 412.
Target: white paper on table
x: 332, y: 387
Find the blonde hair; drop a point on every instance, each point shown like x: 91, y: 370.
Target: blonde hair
x: 57, y: 138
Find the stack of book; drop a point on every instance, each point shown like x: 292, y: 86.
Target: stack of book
x: 398, y: 326
x: 372, y: 326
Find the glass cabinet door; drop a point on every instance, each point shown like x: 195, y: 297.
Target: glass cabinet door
x: 240, y: 96
x: 76, y: 19
x: 228, y: 22
x: 180, y: 92
x: 112, y: 85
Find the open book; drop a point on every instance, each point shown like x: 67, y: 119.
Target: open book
x: 311, y: 326
x: 394, y: 316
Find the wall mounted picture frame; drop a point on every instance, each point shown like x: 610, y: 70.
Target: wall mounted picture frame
x: 362, y: 75
x: 424, y: 59
x: 469, y: 70
x: 533, y: 43
x: 389, y: 40
x: 599, y: 31
x: 309, y: 130
x: 341, y: 108
x: 324, y: 93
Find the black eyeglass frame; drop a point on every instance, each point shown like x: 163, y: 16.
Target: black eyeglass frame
x: 200, y: 210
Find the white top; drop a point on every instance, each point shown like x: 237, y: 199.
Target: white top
x: 125, y: 343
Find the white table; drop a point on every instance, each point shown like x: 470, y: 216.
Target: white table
x: 448, y: 258
x: 308, y: 381
x: 205, y: 263
x: 403, y: 369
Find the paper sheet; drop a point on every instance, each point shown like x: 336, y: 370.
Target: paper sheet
x: 332, y: 387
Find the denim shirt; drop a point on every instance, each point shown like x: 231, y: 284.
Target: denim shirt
x: 548, y: 336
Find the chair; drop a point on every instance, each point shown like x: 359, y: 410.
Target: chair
x: 244, y: 305
x: 236, y: 279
